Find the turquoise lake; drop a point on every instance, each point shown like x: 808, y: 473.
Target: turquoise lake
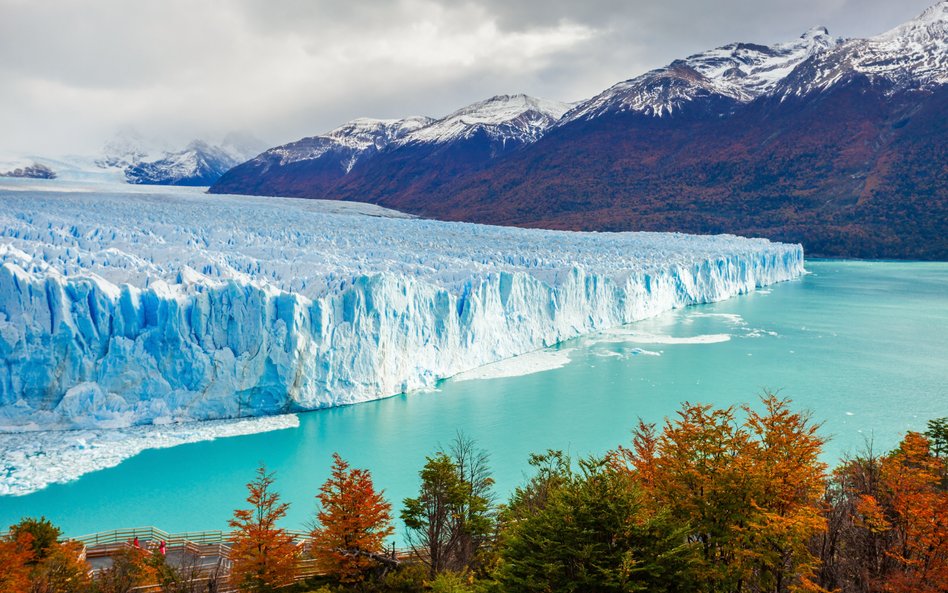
x: 863, y: 345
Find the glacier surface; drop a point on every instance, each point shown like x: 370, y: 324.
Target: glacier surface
x: 121, y: 309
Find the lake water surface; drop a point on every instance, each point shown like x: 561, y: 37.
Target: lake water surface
x: 863, y: 345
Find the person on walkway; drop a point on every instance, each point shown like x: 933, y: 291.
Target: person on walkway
x: 161, y: 548
x: 135, y: 543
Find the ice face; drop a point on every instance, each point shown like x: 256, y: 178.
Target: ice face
x: 119, y: 309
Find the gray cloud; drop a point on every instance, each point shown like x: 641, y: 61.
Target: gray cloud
x: 73, y: 72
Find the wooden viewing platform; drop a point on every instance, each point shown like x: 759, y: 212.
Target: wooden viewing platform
x: 207, y: 551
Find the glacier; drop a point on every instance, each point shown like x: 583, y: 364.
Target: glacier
x: 120, y: 309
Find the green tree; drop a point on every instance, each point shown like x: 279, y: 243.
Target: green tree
x: 477, y: 507
x: 937, y: 434
x: 588, y: 532
x: 433, y: 517
x: 43, y: 535
x: 453, y: 517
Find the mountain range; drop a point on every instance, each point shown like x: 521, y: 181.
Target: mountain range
x: 835, y: 143
x: 200, y: 163
x: 130, y: 157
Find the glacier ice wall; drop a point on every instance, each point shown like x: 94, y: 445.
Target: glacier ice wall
x: 122, y: 309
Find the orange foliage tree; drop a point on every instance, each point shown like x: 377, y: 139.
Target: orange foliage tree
x: 33, y: 559
x: 263, y: 555
x: 918, y: 505
x: 888, y: 518
x: 748, y: 491
x: 352, y: 523
x: 787, y: 502
x: 131, y: 568
x: 62, y: 570
x: 15, y: 558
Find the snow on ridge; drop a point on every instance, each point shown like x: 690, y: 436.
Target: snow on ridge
x: 740, y: 71
x: 519, y: 118
x: 355, y: 138
x: 911, y: 55
x: 120, y: 309
x: 504, y: 117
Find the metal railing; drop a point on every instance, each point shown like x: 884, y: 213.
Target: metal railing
x: 154, y: 534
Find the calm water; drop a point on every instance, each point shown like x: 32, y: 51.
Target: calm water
x: 862, y: 345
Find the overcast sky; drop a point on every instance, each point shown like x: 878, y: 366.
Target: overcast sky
x: 73, y: 72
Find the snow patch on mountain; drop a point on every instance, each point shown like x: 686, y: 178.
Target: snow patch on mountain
x: 198, y: 164
x: 349, y: 142
x: 31, y: 170
x: 506, y: 118
x: 738, y: 71
x: 913, y: 55
x: 119, y: 309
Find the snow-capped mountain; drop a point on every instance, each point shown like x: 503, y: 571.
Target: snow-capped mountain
x: 32, y: 170
x: 128, y: 147
x: 737, y: 72
x: 321, y: 160
x: 130, y: 157
x: 347, y: 143
x: 835, y: 143
x: 913, y: 55
x: 198, y: 164
x: 471, y: 135
x: 517, y: 119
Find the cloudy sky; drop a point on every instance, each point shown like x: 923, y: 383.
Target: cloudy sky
x: 74, y: 72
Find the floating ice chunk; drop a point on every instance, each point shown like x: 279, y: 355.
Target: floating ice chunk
x: 525, y: 364
x: 32, y: 461
x: 640, y: 337
x: 641, y: 352
x: 733, y: 319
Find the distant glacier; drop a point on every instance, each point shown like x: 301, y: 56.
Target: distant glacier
x: 119, y: 309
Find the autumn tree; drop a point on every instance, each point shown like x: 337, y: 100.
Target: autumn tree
x: 888, y: 521
x: 749, y: 491
x: 353, y: 522
x: 263, y: 555
x: 912, y: 482
x: 16, y: 557
x: 786, y: 458
x: 33, y: 549
x: 852, y: 551
x: 130, y: 569
x: 700, y: 471
x: 62, y: 570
